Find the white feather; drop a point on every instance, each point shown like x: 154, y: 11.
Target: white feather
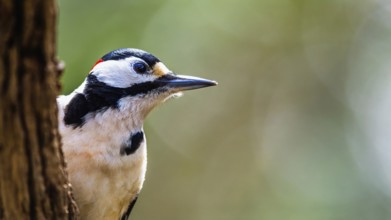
x: 119, y: 73
x: 102, y: 179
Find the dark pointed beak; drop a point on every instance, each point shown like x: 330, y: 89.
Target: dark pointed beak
x: 181, y: 83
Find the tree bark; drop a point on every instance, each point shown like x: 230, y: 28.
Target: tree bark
x: 33, y: 179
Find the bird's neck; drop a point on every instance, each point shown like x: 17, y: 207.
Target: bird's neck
x: 102, y: 132
x: 104, y: 114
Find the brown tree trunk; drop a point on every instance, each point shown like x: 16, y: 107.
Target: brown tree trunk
x: 33, y: 180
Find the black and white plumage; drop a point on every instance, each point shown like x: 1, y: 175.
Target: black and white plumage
x: 101, y: 124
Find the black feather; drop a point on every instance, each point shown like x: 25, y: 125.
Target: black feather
x: 75, y: 110
x: 134, y: 142
x: 123, y: 53
x: 98, y: 96
x: 126, y: 215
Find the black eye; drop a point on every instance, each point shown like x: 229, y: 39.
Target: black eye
x: 140, y: 67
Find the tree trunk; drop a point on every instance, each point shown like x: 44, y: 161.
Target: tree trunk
x: 33, y: 179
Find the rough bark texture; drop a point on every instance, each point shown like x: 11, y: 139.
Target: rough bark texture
x: 33, y: 180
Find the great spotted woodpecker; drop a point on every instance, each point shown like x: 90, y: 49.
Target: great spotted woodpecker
x: 101, y: 124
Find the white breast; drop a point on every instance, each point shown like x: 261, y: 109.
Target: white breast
x: 104, y: 182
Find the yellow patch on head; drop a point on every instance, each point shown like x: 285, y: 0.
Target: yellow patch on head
x: 159, y: 69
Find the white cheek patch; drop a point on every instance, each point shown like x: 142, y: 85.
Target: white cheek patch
x: 119, y: 74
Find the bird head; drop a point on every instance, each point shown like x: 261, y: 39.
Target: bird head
x: 131, y: 79
x: 141, y: 73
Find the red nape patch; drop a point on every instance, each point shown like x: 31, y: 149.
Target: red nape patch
x: 99, y: 61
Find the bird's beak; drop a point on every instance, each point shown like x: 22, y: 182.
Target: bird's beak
x: 179, y: 83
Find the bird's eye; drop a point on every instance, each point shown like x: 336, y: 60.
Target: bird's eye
x: 140, y: 67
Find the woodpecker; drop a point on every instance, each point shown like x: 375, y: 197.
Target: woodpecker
x: 101, y: 124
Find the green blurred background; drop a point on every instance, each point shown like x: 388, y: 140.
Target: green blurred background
x: 299, y: 126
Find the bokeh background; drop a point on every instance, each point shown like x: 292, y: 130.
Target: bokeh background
x: 299, y: 127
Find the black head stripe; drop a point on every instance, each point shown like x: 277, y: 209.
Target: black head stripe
x: 112, y: 94
x: 123, y: 53
x: 98, y: 96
